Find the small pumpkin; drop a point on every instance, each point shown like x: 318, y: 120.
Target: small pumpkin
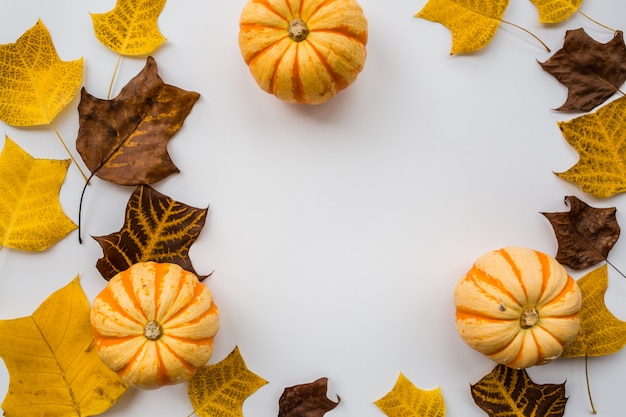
x: 518, y: 306
x: 154, y: 324
x: 303, y: 51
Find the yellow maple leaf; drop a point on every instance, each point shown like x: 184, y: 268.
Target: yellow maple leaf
x: 601, y: 333
x: 556, y: 11
x: 53, y: 368
x: 35, y: 85
x: 473, y: 23
x: 130, y: 28
x: 600, y: 140
x: 31, y: 217
x: 405, y: 399
x: 221, y: 389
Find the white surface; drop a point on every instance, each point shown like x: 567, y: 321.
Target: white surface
x: 337, y: 233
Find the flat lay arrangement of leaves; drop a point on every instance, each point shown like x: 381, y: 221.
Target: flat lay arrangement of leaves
x: 51, y: 358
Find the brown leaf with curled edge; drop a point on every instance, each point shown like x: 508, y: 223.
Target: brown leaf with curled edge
x: 506, y: 392
x: 585, y: 234
x: 306, y: 400
x: 156, y: 228
x: 591, y: 71
x: 124, y: 140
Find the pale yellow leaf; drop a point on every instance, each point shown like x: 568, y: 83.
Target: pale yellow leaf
x: 407, y: 400
x: 555, y: 11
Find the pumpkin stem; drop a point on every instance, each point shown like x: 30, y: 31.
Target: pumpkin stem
x: 298, y: 30
x: 153, y: 330
x: 529, y: 318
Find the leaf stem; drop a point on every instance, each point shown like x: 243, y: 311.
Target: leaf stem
x: 593, y: 409
x: 117, y: 66
x: 68, y: 150
x: 528, y: 32
x: 615, y: 268
x: 596, y: 22
x: 80, y: 207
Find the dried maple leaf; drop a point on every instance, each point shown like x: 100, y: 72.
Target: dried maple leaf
x: 31, y: 217
x: 473, y: 23
x: 601, y: 333
x: 131, y: 27
x: 156, y: 228
x: 585, y: 234
x: 306, y: 400
x: 556, y: 11
x: 600, y: 139
x: 222, y: 388
x: 508, y: 392
x: 591, y: 71
x: 35, y: 85
x: 53, y: 368
x: 405, y: 399
x: 124, y: 140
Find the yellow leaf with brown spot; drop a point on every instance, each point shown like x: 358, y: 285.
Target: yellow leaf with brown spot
x: 405, y: 399
x: 473, y: 23
x: 53, y: 368
x: 556, y: 11
x: 130, y: 28
x: 31, y: 217
x: 600, y: 140
x: 35, y: 85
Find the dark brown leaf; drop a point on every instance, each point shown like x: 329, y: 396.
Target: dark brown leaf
x: 306, y: 400
x: 124, y: 140
x: 506, y: 392
x: 156, y: 228
x: 592, y: 71
x: 585, y: 234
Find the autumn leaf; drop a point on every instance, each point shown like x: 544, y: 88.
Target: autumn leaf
x: 306, y: 400
x: 600, y: 139
x: 405, y: 399
x: 220, y: 390
x: 591, y: 71
x: 506, y: 392
x: 53, y: 368
x: 31, y: 217
x: 156, y: 228
x: 585, y: 234
x: 601, y: 333
x: 473, y: 23
x: 35, y: 85
x: 131, y: 27
x: 556, y: 11
x: 124, y: 140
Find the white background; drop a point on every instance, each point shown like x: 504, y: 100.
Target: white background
x: 336, y: 233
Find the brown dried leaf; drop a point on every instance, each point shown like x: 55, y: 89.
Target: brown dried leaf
x: 306, y: 400
x: 592, y: 71
x: 585, y: 234
x: 156, y: 228
x: 124, y: 140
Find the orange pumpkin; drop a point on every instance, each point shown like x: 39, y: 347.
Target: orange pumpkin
x: 154, y: 324
x: 303, y: 51
x: 518, y: 306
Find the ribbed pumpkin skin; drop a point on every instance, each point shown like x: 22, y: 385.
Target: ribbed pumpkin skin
x: 154, y: 292
x: 491, y: 298
x: 312, y: 70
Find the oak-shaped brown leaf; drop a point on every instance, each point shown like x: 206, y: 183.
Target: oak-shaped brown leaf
x: 585, y: 234
x: 306, y: 400
x: 506, y: 392
x: 124, y: 140
x: 592, y: 71
x: 156, y: 228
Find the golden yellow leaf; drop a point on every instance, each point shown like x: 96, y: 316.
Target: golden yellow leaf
x: 473, y: 23
x: 31, y: 217
x: 131, y: 27
x: 53, y: 368
x: 600, y: 139
x: 601, y: 333
x: 220, y: 390
x: 555, y: 11
x: 35, y: 85
x: 405, y: 399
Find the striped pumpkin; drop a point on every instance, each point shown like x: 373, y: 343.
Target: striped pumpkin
x: 518, y: 306
x: 303, y: 51
x: 154, y: 324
